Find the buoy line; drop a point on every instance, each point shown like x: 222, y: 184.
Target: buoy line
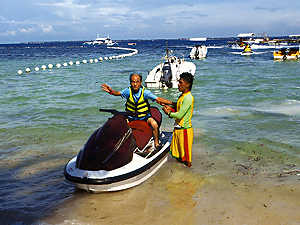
x: 71, y: 63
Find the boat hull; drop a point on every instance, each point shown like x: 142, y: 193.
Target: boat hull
x: 198, y: 52
x: 246, y: 53
x: 127, y: 176
x: 154, y: 78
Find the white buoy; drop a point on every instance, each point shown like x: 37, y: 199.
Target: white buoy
x: 27, y: 70
x: 105, y: 58
x: 20, y: 72
x: 36, y: 69
x: 50, y: 66
x: 110, y: 58
x: 77, y: 62
x: 58, y: 65
x: 71, y: 63
x: 96, y: 60
x: 113, y: 57
x: 65, y: 64
x: 44, y: 67
x: 84, y: 61
x: 91, y: 61
x: 101, y: 59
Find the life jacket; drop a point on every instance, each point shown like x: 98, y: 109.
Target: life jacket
x: 141, y: 107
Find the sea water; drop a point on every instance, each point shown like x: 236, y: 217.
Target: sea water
x: 245, y: 165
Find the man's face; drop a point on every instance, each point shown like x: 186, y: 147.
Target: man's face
x: 135, y: 82
x: 183, y: 86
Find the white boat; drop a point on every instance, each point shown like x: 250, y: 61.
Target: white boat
x: 167, y: 73
x: 198, y: 52
x: 101, y: 41
x: 255, y: 41
x: 198, y: 39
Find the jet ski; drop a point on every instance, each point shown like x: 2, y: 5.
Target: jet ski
x: 118, y: 155
x: 247, y: 50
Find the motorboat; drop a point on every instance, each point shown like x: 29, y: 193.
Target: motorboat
x: 101, y: 41
x: 198, y: 52
x: 256, y: 41
x: 118, y: 155
x: 287, y: 53
x: 167, y: 73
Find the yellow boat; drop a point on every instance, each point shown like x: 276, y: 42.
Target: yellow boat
x: 287, y: 53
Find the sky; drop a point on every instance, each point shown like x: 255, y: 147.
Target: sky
x: 77, y: 20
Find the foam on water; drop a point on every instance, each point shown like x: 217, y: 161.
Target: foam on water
x: 285, y: 107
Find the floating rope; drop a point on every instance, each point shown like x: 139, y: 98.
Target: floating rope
x: 71, y: 63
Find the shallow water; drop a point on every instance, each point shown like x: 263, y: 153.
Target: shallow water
x: 245, y: 166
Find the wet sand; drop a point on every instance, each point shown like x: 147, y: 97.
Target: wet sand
x: 227, y: 189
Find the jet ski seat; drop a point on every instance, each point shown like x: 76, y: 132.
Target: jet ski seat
x: 141, y: 131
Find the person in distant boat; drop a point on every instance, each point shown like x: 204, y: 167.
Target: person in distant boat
x: 198, y: 47
x: 247, y: 48
x: 137, y: 101
x: 182, y: 141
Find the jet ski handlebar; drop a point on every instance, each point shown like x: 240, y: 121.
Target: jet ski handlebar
x: 116, y: 112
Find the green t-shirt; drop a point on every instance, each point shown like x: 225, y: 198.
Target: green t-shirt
x: 184, y: 110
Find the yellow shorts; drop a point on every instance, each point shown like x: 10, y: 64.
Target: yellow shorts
x: 181, y: 145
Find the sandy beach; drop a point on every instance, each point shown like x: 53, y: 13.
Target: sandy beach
x: 216, y: 190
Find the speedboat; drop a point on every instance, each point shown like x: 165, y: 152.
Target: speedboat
x: 198, y: 52
x: 287, y: 53
x: 118, y: 155
x: 167, y: 73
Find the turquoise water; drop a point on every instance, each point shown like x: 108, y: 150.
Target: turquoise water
x: 246, y: 115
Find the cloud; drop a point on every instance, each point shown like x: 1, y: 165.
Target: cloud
x: 266, y: 9
x: 65, y: 4
x: 122, y: 19
x: 29, y: 30
x: 66, y: 10
x: 47, y: 28
x: 9, y: 33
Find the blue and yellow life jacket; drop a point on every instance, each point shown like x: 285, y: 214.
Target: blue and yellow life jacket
x: 141, y: 107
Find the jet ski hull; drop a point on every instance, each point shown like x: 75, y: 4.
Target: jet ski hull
x: 127, y: 176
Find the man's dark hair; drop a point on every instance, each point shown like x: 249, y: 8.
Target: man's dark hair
x: 188, y: 78
x: 141, y: 78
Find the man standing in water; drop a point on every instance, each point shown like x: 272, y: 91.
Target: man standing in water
x: 137, y: 101
x: 182, y: 141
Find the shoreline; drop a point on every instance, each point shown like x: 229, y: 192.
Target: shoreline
x: 177, y: 195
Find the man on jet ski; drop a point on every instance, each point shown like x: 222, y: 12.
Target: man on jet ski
x: 137, y: 101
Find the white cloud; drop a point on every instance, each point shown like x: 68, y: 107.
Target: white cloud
x: 65, y: 4
x: 47, y: 28
x: 29, y: 30
x: 9, y: 33
x: 82, y: 19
